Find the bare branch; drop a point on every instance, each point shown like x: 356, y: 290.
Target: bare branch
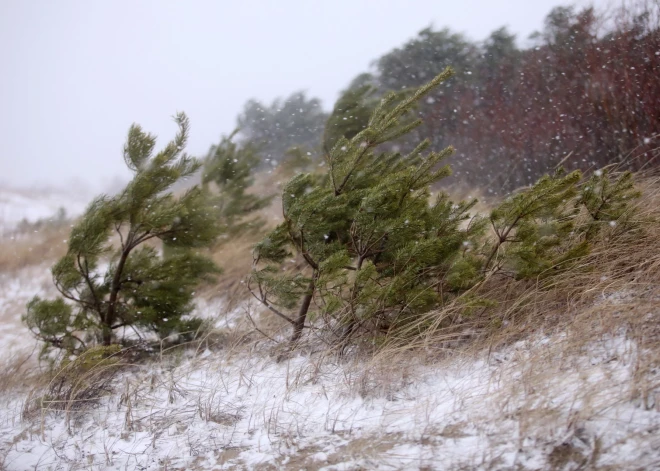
x: 265, y: 302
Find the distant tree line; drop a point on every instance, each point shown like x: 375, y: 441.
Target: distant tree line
x: 367, y: 248
x: 376, y: 250
x: 585, y: 93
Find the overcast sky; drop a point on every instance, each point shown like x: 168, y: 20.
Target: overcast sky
x: 76, y: 74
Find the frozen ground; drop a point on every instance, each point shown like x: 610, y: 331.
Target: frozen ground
x: 16, y: 289
x: 246, y: 411
x: 531, y: 406
x: 17, y: 205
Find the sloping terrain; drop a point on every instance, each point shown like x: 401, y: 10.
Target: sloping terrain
x: 551, y: 401
x: 569, y: 381
x: 17, y: 205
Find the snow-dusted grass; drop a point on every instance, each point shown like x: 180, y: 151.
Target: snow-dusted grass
x: 16, y: 289
x: 560, y: 378
x: 17, y: 205
x: 537, y: 404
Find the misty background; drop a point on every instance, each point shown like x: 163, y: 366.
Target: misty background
x: 76, y: 74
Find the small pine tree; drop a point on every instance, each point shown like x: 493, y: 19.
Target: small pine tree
x: 539, y: 231
x: 373, y: 247
x: 227, y: 173
x: 531, y: 228
x: 139, y: 287
x: 607, y: 201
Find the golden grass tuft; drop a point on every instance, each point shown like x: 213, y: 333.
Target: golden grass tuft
x: 27, y: 249
x: 614, y: 292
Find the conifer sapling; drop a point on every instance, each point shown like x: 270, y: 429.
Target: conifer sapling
x: 113, y: 275
x: 372, y: 242
x: 226, y: 175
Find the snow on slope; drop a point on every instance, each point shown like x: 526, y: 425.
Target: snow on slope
x: 16, y: 289
x: 242, y: 409
x: 18, y: 204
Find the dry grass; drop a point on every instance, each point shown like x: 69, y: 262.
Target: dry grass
x: 622, y: 263
x: 234, y: 256
x: 28, y: 249
x: 19, y: 372
x: 612, y: 293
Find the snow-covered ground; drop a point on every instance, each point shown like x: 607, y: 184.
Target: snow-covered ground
x: 19, y: 204
x: 246, y: 411
x: 530, y: 406
x: 16, y: 289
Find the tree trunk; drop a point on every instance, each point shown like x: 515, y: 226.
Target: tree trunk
x: 107, y: 335
x: 299, y: 324
x: 112, y: 302
x: 348, y: 330
x: 346, y: 336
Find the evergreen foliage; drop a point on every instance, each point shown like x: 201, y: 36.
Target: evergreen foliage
x: 534, y: 224
x: 372, y: 244
x: 139, y: 288
x: 350, y: 114
x: 539, y: 231
x: 377, y: 251
x: 285, y: 123
x: 607, y: 201
x: 424, y: 57
x: 227, y: 173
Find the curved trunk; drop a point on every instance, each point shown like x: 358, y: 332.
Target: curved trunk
x: 299, y: 324
x: 111, y: 313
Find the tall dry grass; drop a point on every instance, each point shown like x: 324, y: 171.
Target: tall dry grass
x: 613, y: 293
x: 26, y: 249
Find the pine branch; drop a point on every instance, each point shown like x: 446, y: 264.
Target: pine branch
x: 262, y: 299
x: 88, y: 281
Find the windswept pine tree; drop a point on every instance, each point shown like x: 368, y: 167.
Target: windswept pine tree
x: 606, y: 200
x: 372, y: 243
x: 113, y: 275
x: 543, y: 229
x: 350, y: 114
x: 532, y: 228
x: 376, y: 251
x: 227, y: 173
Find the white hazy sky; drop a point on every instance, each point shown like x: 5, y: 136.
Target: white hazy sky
x: 76, y: 74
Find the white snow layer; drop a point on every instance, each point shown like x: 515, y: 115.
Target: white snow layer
x: 246, y: 410
x: 16, y: 205
x: 529, y: 407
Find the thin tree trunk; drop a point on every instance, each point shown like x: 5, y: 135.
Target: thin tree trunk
x: 112, y: 302
x: 299, y: 324
x: 348, y: 330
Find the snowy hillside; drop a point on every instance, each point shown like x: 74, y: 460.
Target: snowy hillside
x: 16, y: 289
x: 548, y: 402
x: 217, y: 410
x: 568, y: 379
x: 19, y: 204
